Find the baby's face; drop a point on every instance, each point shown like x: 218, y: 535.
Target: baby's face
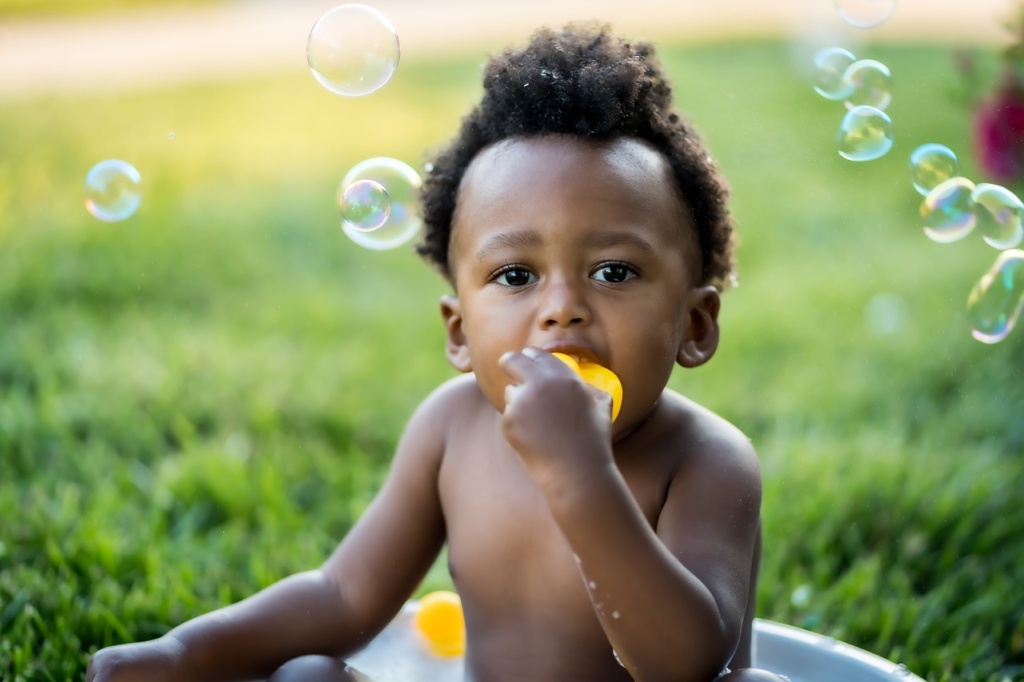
x: 577, y: 247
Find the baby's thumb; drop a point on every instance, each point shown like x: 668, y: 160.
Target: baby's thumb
x: 603, y: 400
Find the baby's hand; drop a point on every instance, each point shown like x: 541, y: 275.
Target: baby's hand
x: 160, y: 660
x: 560, y: 427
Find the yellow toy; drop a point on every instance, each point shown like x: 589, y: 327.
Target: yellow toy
x: 439, y: 619
x: 601, y: 378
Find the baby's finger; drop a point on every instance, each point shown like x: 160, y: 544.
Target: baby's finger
x: 516, y: 365
x: 603, y: 399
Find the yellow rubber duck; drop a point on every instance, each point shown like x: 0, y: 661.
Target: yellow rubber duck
x: 601, y: 378
x: 440, y: 620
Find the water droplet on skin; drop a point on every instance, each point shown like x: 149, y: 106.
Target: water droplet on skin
x: 592, y: 584
x: 615, y: 614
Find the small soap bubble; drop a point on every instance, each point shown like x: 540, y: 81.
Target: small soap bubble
x: 870, y: 84
x: 830, y: 65
x: 352, y: 50
x: 801, y: 596
x: 885, y: 314
x: 865, y: 13
x: 865, y: 134
x: 999, y: 213
x: 365, y: 204
x: 401, y: 183
x: 931, y: 164
x: 995, y: 302
x: 948, y: 211
x: 112, y: 190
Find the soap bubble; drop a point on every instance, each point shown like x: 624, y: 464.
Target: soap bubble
x: 402, y: 184
x: 112, y: 190
x: 995, y: 302
x: 998, y: 212
x: 885, y: 314
x: 352, y: 50
x: 865, y: 134
x: 830, y: 64
x: 871, y: 84
x: 365, y: 204
x: 948, y: 211
x: 865, y: 13
x: 931, y: 164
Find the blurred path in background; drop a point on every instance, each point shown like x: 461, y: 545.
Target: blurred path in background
x: 155, y: 47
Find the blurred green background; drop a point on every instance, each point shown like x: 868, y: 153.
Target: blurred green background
x: 201, y: 399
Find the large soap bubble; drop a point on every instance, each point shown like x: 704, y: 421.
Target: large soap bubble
x: 995, y: 302
x: 401, y: 183
x: 352, y: 50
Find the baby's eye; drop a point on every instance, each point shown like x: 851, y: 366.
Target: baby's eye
x: 614, y: 273
x: 515, y: 276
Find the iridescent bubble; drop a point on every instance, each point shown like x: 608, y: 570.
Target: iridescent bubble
x: 871, y: 84
x: 865, y: 134
x: 865, y: 13
x: 112, y: 190
x: 365, y: 204
x: 998, y: 212
x: 948, y: 211
x: 830, y: 64
x: 931, y: 164
x: 402, y: 184
x: 995, y: 302
x: 352, y: 50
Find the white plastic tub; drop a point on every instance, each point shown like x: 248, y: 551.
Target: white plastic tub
x: 397, y: 656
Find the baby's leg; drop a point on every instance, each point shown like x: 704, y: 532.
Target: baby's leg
x: 317, y: 669
x: 751, y: 675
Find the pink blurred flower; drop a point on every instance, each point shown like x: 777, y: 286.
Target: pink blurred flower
x: 999, y: 133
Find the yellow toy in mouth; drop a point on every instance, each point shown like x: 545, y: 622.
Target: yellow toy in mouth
x: 601, y: 378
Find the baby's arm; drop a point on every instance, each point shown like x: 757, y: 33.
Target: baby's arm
x: 333, y: 610
x: 671, y: 599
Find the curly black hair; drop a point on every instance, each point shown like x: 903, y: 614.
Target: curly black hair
x: 582, y: 81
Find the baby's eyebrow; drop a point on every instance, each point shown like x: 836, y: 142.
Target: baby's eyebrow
x: 607, y: 239
x: 519, y: 239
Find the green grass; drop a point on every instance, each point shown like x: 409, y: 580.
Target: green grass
x: 200, y: 400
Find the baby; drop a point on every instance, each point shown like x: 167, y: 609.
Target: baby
x: 574, y: 213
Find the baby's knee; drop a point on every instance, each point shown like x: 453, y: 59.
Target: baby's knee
x: 316, y: 669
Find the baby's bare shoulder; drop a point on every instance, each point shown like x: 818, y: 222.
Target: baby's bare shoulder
x: 703, y: 440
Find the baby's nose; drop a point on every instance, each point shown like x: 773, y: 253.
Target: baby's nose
x: 563, y: 304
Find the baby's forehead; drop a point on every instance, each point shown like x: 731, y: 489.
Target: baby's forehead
x: 515, y: 178
x: 624, y: 158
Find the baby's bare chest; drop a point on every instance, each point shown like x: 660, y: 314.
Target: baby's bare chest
x: 508, y: 556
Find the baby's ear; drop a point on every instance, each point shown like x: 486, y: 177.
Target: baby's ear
x: 700, y: 339
x: 456, y: 349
